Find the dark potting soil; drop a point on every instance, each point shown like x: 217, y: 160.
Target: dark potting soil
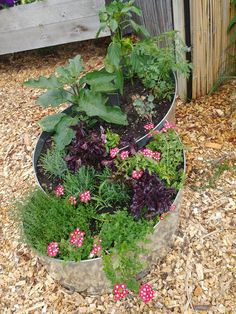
x: 134, y: 130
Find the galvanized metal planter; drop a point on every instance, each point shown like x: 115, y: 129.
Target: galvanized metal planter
x: 170, y: 117
x: 88, y: 275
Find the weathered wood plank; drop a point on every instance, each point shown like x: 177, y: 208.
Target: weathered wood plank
x: 179, y: 25
x: 48, y: 23
x: 156, y: 15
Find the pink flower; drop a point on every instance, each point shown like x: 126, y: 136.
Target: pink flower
x: 77, y: 237
x: 96, y: 249
x: 85, y: 196
x: 168, y: 125
x: 147, y: 152
x: 114, y: 152
x: 172, y: 208
x: 137, y: 174
x: 120, y: 291
x: 149, y: 126
x: 146, y: 293
x: 59, y: 190
x: 156, y: 156
x: 53, y: 249
x: 124, y: 155
x: 73, y: 200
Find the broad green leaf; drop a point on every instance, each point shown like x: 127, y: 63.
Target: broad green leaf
x: 75, y: 66
x: 94, y: 104
x: 43, y: 82
x: 64, y: 134
x: 136, y: 10
x: 100, y: 81
x: 114, y: 54
x: 101, y: 29
x: 113, y: 25
x: 53, y: 98
x: 49, y: 123
x: 139, y: 29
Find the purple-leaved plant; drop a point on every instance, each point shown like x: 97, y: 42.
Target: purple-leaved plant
x: 151, y: 197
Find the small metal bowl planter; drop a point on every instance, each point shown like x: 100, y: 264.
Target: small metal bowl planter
x: 88, y: 276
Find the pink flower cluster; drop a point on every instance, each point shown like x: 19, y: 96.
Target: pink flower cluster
x: 137, y: 174
x: 152, y: 133
x: 146, y: 293
x: 168, y: 125
x: 53, y: 249
x: 124, y: 155
x: 147, y: 152
x: 149, y: 126
x: 85, y: 196
x: 77, y: 237
x: 96, y: 248
x: 163, y: 216
x: 73, y: 200
x: 59, y: 190
x: 120, y: 291
x: 114, y: 152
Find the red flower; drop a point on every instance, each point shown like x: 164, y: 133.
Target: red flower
x: 85, y: 196
x: 59, y: 190
x: 114, y: 152
x: 73, y: 200
x: 149, y: 126
x: 124, y: 155
x: 77, y: 237
x: 146, y: 293
x: 53, y: 249
x: 120, y: 291
x: 137, y: 174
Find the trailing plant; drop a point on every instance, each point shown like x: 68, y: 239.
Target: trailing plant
x: 121, y: 235
x: 163, y: 155
x: 67, y: 85
x: 53, y: 162
x: 145, y: 106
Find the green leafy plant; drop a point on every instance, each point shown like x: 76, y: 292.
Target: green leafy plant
x: 53, y: 163
x: 84, y: 179
x: 117, y: 17
x: 112, y: 140
x: 145, y: 106
x: 47, y: 217
x: 168, y: 167
x: 154, y: 59
x: 67, y: 85
x: 121, y: 235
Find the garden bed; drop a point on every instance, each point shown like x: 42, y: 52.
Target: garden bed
x: 204, y: 247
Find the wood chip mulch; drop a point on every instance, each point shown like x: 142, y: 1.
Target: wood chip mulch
x: 197, y: 275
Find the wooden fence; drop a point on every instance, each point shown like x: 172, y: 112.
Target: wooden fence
x: 48, y: 23
x: 208, y: 24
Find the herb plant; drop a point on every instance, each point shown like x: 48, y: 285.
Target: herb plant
x: 53, y: 162
x: 145, y: 106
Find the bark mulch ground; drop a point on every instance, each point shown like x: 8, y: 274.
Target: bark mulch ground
x: 198, y: 274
